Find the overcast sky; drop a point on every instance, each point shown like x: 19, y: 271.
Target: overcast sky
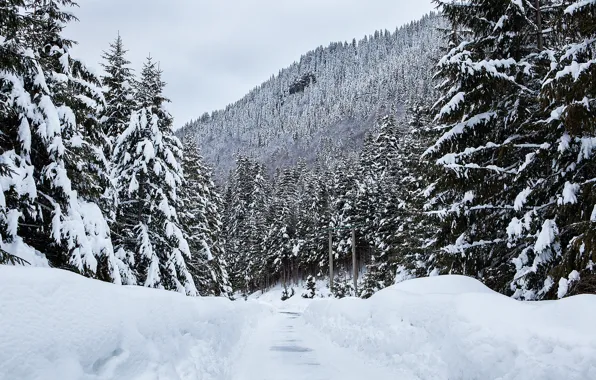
x: 213, y: 52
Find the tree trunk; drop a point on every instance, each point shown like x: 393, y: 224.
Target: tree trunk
x: 539, y: 24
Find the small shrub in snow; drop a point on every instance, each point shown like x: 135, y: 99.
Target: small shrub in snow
x: 285, y: 295
x: 311, y: 287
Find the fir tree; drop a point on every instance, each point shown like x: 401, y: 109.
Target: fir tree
x: 488, y: 95
x: 553, y: 229
x: 51, y: 144
x: 118, y: 91
x: 149, y: 174
x: 201, y: 222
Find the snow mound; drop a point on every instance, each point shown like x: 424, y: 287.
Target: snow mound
x: 58, y: 325
x: 451, y: 327
x: 440, y: 285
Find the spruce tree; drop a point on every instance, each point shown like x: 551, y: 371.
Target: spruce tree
x: 200, y: 219
x: 52, y: 145
x: 118, y: 84
x: 488, y: 95
x: 282, y: 243
x: 246, y: 224
x: 149, y: 175
x: 553, y: 229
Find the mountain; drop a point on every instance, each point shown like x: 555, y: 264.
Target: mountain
x: 320, y: 107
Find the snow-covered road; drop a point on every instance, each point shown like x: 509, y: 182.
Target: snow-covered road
x: 284, y: 347
x: 57, y: 325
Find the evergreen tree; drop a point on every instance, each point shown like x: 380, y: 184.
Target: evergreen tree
x: 414, y: 226
x: 488, y: 95
x: 200, y: 219
x: 51, y: 144
x: 118, y: 91
x: 553, y: 229
x: 381, y: 178
x: 282, y: 242
x: 149, y: 174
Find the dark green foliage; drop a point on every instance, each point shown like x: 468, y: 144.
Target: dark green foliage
x: 200, y: 219
x: 286, y: 295
x: 149, y: 175
x: 311, y: 288
x: 118, y: 83
x: 342, y: 288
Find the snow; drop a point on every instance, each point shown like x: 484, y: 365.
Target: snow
x: 453, y: 327
x: 578, y: 5
x: 565, y: 283
x: 569, y: 195
x: 468, y: 197
x: 588, y: 144
x: 57, y: 325
x: 563, y: 287
x: 547, y: 236
x: 564, y: 142
x: 451, y: 105
x: 18, y: 248
x: 459, y: 129
x: 284, y: 347
x: 515, y: 228
x: 521, y: 199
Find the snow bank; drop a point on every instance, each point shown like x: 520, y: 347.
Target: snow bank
x: 453, y: 327
x: 58, y: 325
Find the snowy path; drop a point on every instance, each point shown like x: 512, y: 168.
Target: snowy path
x: 284, y: 347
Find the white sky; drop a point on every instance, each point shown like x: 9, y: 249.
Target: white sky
x: 214, y: 51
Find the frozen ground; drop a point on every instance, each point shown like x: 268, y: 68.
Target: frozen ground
x: 57, y: 325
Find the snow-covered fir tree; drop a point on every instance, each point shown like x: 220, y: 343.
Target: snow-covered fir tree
x: 488, y: 97
x: 553, y: 229
x: 118, y: 82
x: 148, y: 171
x: 201, y: 221
x: 52, y: 145
x: 246, y: 224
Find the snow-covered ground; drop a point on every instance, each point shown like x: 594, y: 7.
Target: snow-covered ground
x: 56, y: 325
x: 453, y: 327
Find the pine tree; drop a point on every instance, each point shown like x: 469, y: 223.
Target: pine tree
x: 553, y: 229
x: 384, y: 175
x: 414, y: 226
x: 282, y: 243
x: 13, y: 63
x: 118, y: 91
x: 310, y: 287
x: 488, y: 95
x: 51, y: 144
x: 201, y: 222
x: 149, y: 174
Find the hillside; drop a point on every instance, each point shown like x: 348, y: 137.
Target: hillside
x: 322, y: 105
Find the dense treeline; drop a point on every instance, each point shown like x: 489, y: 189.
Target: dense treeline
x: 92, y: 178
x: 482, y: 166
x: 495, y: 180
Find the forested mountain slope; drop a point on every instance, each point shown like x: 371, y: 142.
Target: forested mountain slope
x: 489, y: 174
x: 322, y: 105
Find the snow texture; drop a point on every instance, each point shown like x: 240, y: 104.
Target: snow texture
x: 453, y: 327
x: 57, y: 325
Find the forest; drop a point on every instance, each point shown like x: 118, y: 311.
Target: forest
x: 462, y: 143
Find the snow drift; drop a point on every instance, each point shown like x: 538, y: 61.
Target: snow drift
x: 453, y: 327
x: 58, y: 325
